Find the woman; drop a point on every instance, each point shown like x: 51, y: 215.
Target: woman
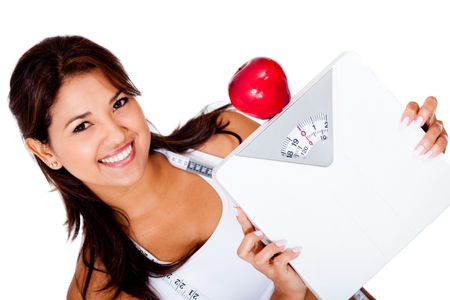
x: 150, y: 229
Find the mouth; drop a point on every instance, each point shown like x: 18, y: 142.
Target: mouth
x: 120, y: 159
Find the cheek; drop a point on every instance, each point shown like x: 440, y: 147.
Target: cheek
x: 138, y: 124
x: 79, y: 158
x: 145, y: 137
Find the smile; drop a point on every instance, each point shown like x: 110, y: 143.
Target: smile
x: 120, y: 159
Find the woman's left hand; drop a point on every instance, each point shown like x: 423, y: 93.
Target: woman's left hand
x: 435, y: 140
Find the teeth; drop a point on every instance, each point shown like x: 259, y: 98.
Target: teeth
x: 118, y: 157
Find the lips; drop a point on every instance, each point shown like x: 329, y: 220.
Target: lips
x: 120, y: 157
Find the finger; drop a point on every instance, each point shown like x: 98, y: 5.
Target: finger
x: 246, y: 225
x: 282, y: 260
x: 250, y: 245
x: 429, y: 139
x: 430, y: 122
x: 426, y: 112
x: 410, y: 113
x: 263, y: 259
x: 438, y: 147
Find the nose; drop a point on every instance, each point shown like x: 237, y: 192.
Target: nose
x: 114, y: 134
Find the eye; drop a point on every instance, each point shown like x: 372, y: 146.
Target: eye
x: 119, y: 103
x: 83, y: 126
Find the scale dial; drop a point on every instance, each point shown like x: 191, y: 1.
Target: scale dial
x: 304, y: 136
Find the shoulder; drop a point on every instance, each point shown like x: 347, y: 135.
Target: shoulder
x: 98, y: 281
x: 222, y: 144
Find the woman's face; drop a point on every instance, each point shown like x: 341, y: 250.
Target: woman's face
x: 98, y: 133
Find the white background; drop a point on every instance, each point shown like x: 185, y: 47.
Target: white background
x: 181, y: 54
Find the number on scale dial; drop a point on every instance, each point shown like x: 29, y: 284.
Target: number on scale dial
x: 304, y: 136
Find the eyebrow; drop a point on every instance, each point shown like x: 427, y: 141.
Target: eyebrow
x: 84, y: 115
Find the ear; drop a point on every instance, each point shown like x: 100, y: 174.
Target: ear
x: 44, y: 152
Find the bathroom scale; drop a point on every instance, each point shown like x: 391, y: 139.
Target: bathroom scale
x: 335, y: 173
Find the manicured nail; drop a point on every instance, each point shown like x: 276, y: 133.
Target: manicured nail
x: 428, y: 154
x: 419, y: 149
x: 419, y: 121
x: 281, y: 243
x: 405, y: 121
x: 297, y: 249
x: 258, y: 233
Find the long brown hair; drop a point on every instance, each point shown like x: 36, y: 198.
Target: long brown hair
x: 34, y: 85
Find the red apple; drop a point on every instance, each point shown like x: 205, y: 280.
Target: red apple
x: 259, y: 88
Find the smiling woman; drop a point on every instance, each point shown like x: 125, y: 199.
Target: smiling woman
x: 78, y: 113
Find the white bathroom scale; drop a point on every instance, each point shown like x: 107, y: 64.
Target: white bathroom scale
x: 335, y: 173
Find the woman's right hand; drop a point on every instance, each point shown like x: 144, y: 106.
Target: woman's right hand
x: 272, y: 260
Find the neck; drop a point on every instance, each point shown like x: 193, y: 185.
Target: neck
x: 148, y: 193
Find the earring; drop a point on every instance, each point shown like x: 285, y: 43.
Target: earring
x: 54, y: 164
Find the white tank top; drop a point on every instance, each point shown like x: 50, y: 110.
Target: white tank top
x: 214, y: 271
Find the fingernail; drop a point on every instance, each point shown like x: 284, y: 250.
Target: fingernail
x: 236, y: 211
x: 405, y: 122
x: 419, y: 121
x: 281, y: 243
x: 297, y: 249
x: 419, y: 149
x: 428, y: 154
x: 258, y: 233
